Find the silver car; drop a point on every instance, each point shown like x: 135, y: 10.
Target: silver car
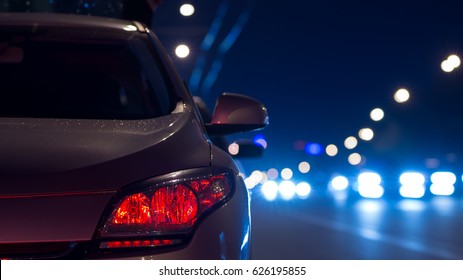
x: 103, y: 153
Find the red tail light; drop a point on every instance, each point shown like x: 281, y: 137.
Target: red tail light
x: 139, y: 243
x: 135, y: 209
x: 167, y: 208
x: 174, y: 206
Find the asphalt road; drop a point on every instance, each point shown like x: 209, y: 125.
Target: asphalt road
x: 324, y: 228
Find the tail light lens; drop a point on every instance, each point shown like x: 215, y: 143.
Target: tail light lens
x: 172, y: 207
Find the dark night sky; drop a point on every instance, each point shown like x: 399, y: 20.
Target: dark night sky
x: 321, y: 66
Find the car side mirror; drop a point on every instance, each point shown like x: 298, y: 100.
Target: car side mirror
x: 237, y: 113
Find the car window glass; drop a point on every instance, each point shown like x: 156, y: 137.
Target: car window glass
x: 79, y: 79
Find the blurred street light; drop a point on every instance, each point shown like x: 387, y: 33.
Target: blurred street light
x: 366, y: 134
x: 272, y: 173
x: 304, y: 167
x: 350, y: 142
x: 182, y: 51
x: 377, y: 114
x: 187, y: 10
x: 234, y: 148
x: 331, y: 150
x: 402, y: 95
x: 339, y: 183
x: 354, y: 159
x: 452, y: 62
x: 286, y: 173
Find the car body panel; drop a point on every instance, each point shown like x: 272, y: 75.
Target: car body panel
x: 33, y: 161
x: 51, y: 218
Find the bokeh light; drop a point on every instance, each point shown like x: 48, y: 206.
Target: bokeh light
x: 234, y: 149
x: 354, y: 159
x: 377, y: 114
x: 186, y: 10
x: 446, y: 66
x: 182, y: 51
x: 412, y: 178
x: 350, y: 142
x: 303, y: 189
x: 259, y: 139
x: 444, y: 190
x: 304, y: 167
x: 441, y: 177
x: 257, y: 176
x: 366, y: 134
x: 412, y: 192
x: 369, y: 178
x: 452, y: 62
x: 432, y: 163
x: 402, y: 95
x: 314, y: 149
x: 270, y: 190
x: 412, y: 185
x: 286, y: 173
x: 373, y: 191
x: 272, y: 173
x: 455, y: 60
x: 369, y: 185
x: 443, y: 183
x: 287, y: 189
x: 331, y: 150
x: 250, y: 183
x: 339, y: 183
x: 299, y: 145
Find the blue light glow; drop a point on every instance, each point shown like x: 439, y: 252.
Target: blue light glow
x: 410, y: 205
x: 261, y: 142
x: 314, y: 149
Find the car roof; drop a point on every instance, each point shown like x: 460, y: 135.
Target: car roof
x: 68, y: 20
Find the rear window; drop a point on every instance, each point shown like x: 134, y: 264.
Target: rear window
x: 49, y: 77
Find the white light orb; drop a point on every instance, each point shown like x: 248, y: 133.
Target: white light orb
x: 331, y: 150
x: 377, y: 114
x: 186, y: 10
x: 366, y: 134
x: 402, y: 95
x: 304, y: 167
x: 182, y: 51
x: 350, y: 142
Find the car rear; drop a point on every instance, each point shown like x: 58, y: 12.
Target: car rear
x: 103, y: 152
